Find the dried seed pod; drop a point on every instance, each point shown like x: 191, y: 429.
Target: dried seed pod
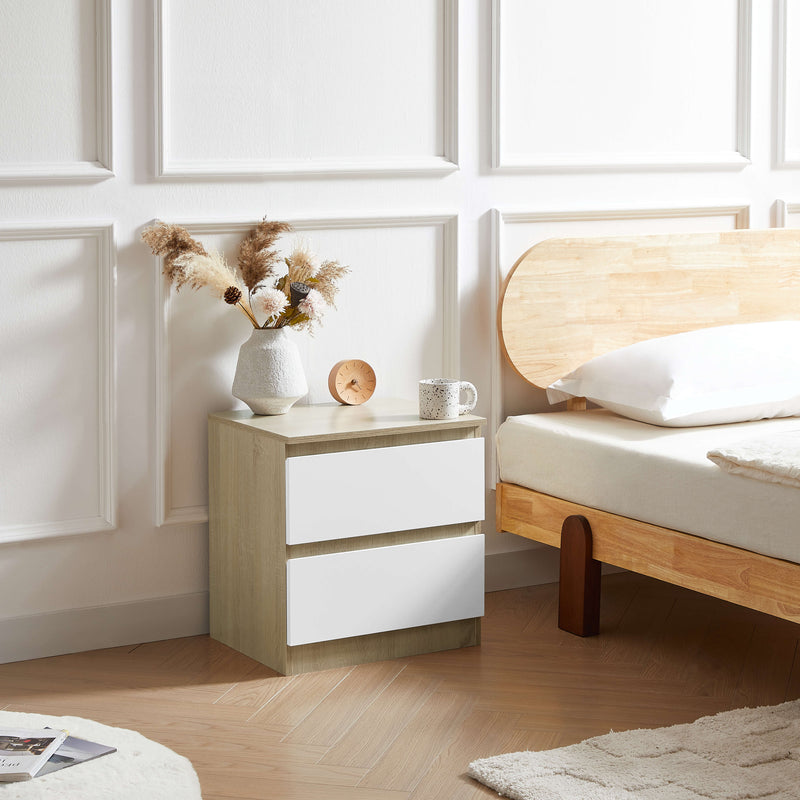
x: 298, y: 291
x: 232, y: 295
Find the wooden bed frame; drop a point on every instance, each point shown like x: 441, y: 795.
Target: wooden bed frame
x: 568, y: 300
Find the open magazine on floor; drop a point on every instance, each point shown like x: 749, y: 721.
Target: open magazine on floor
x: 23, y: 752
x: 74, y: 751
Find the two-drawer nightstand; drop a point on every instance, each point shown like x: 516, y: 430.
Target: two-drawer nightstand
x: 345, y: 534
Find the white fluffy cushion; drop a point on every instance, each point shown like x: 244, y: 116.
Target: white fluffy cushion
x: 732, y: 373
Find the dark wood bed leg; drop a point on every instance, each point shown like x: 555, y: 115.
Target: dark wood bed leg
x: 579, y: 589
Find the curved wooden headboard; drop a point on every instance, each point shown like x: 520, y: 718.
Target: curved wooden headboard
x: 569, y: 300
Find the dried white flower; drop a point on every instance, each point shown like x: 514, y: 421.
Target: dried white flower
x: 303, y: 263
x: 313, y: 305
x: 271, y: 301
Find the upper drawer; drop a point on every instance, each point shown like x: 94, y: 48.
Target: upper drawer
x: 360, y: 492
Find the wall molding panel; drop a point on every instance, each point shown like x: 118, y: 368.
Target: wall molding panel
x: 167, y: 511
x: 101, y: 167
x: 172, y: 165
x: 787, y: 155
x: 105, y: 518
x: 783, y: 213
x: 588, y: 159
x: 740, y: 215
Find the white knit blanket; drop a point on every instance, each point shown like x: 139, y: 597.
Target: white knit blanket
x: 774, y: 458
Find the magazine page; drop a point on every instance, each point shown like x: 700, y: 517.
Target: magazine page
x: 74, y: 751
x: 23, y: 751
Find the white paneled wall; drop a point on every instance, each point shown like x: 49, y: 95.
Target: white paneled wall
x: 788, y: 84
x: 383, y: 100
x: 568, y: 97
x: 57, y: 433
x: 425, y: 143
x: 55, y: 92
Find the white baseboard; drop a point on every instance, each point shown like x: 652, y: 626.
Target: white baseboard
x: 530, y: 567
x: 78, y: 629
x: 517, y: 568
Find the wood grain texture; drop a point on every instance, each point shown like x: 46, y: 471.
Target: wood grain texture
x: 346, y: 703
x: 378, y: 646
x: 412, y: 753
x: 468, y: 429
x: 739, y: 576
x: 380, y: 540
x: 247, y: 523
x: 332, y: 422
x: 364, y: 744
x: 406, y: 728
x: 569, y: 300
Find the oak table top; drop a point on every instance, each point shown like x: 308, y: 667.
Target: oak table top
x: 334, y: 421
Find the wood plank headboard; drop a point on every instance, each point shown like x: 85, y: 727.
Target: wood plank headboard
x: 569, y: 300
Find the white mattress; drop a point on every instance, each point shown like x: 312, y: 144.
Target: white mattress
x: 657, y: 475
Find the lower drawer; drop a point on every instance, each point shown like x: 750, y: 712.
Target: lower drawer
x: 383, y: 589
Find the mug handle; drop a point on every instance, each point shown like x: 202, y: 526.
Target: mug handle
x: 472, y: 397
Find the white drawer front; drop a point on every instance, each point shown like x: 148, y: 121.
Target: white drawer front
x: 384, y: 589
x: 340, y: 495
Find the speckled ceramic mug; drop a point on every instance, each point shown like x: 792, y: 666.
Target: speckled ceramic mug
x: 440, y: 398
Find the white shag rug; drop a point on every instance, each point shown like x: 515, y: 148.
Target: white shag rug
x: 736, y: 755
x: 140, y: 769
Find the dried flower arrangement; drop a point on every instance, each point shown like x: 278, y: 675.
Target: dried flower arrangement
x: 296, y: 296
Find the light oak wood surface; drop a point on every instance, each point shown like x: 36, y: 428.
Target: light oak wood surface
x: 759, y: 582
x: 247, y: 523
x: 569, y: 300
x: 406, y: 728
x: 332, y: 421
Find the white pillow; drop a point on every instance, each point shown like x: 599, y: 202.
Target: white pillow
x: 733, y: 373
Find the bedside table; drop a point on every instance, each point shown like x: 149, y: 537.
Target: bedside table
x: 345, y: 534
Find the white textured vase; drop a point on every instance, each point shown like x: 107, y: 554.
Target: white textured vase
x: 269, y: 374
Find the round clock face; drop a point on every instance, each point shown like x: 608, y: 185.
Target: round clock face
x: 351, y: 381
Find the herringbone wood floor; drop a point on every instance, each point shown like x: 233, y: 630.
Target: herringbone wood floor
x: 406, y: 729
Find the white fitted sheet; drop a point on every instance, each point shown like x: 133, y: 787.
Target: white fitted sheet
x: 656, y: 475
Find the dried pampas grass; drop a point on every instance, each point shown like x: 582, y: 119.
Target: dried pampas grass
x: 209, y: 270
x: 326, y: 279
x: 302, y: 264
x: 256, y: 260
x: 172, y: 242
